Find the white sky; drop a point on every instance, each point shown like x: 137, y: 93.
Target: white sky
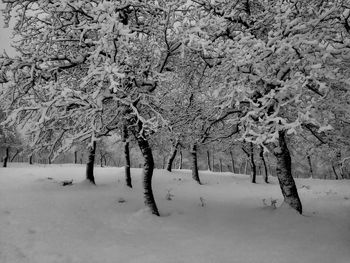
x: 5, y: 34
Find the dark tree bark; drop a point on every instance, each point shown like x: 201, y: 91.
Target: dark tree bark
x: 49, y: 160
x: 252, y: 162
x: 250, y: 154
x: 14, y: 156
x: 148, y: 168
x: 335, y: 172
x: 75, y: 157
x: 220, y: 160
x: 343, y: 170
x: 208, y: 161
x: 266, y: 175
x: 232, y: 162
x: 284, y: 174
x: 126, y: 156
x: 172, y: 156
x: 194, y: 164
x: 7, y: 156
x: 31, y: 159
x: 180, y: 159
x: 90, y: 163
x: 310, y: 166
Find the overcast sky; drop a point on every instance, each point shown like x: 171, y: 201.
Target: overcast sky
x: 5, y: 34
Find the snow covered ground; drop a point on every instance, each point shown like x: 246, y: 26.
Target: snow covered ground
x: 224, y: 220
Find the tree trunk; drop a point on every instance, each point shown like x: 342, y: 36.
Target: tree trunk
x: 31, y: 159
x: 250, y: 154
x: 75, y: 157
x: 7, y: 153
x: 126, y: 156
x: 284, y: 174
x: 194, y: 164
x: 339, y: 163
x: 180, y: 159
x: 148, y: 168
x: 270, y: 170
x: 14, y: 156
x: 310, y: 166
x: 172, y: 157
x: 208, y: 161
x: 232, y: 162
x: 90, y: 163
x: 252, y: 162
x: 220, y: 160
x: 335, y: 172
x: 49, y: 160
x: 342, y: 167
x: 266, y: 175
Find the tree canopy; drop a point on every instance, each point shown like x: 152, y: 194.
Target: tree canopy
x: 194, y: 72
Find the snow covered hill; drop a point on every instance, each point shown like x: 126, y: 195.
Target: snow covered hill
x: 227, y: 219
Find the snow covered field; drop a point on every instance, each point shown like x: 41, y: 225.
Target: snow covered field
x: 224, y: 220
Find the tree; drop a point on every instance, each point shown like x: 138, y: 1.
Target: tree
x: 147, y: 168
x: 279, y: 62
x: 208, y: 161
x: 6, y: 157
x: 249, y: 151
x: 8, y: 139
x: 95, y: 60
x: 125, y: 138
x: 232, y: 162
x: 194, y: 164
x: 261, y: 154
x: 90, y: 162
x: 172, y: 156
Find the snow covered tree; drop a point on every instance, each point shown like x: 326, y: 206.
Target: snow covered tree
x: 249, y: 151
x: 278, y: 60
x: 84, y: 62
